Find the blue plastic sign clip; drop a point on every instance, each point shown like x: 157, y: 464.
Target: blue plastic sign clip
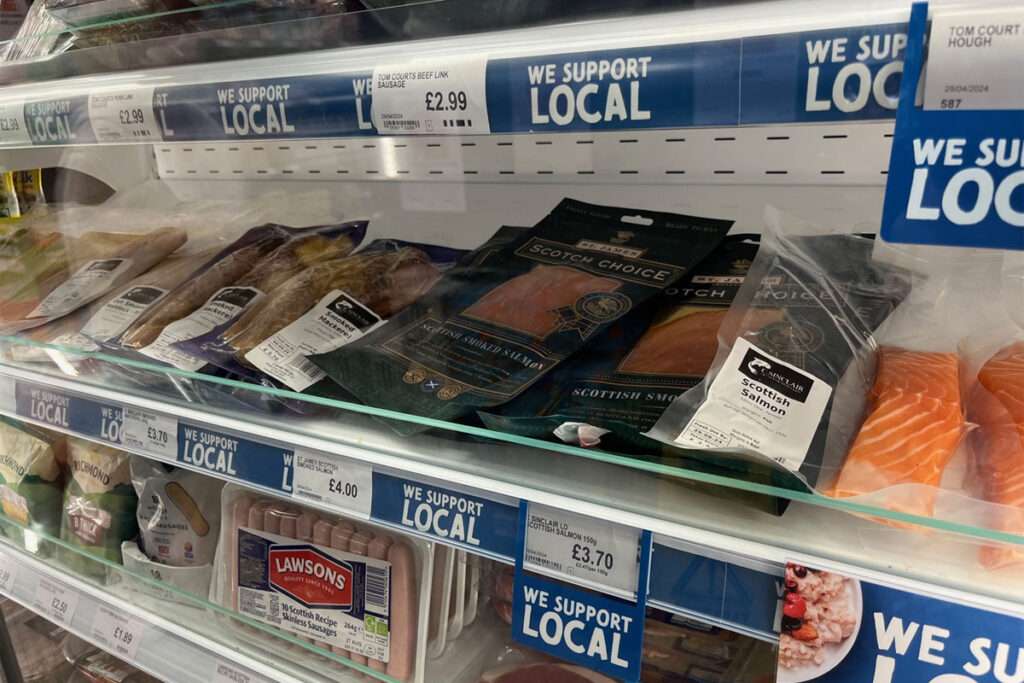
x: 947, y: 184
x: 602, y: 633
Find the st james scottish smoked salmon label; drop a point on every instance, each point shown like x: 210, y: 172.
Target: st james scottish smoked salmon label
x: 489, y: 330
x: 761, y: 403
x: 333, y: 596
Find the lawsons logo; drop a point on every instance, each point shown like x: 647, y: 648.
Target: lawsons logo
x: 309, y: 576
x: 773, y: 374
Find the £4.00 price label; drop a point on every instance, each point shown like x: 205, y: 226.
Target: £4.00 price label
x: 589, y: 551
x: 118, y: 631
x: 150, y: 432
x: 444, y: 96
x: 333, y: 481
x: 8, y: 572
x: 56, y: 600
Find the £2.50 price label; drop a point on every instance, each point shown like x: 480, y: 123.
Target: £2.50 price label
x: 442, y: 96
x: 118, y: 631
x: 123, y: 115
x: 56, y: 601
x: 332, y: 481
x: 150, y: 432
x: 592, y: 552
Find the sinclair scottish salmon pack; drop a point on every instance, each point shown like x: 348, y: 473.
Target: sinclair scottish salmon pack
x: 622, y: 381
x: 484, y: 334
x: 801, y: 326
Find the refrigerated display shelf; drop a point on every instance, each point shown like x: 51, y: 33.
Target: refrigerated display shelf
x: 721, y: 559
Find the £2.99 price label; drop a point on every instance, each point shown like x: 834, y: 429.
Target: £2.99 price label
x: 13, y: 130
x: 347, y: 485
x: 56, y: 601
x: 444, y: 96
x: 123, y: 115
x: 592, y: 552
x: 118, y: 631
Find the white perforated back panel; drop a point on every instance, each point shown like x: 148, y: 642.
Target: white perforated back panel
x: 854, y: 154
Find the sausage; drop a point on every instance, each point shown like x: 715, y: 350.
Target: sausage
x: 304, y: 529
x: 322, y: 530
x: 272, y: 517
x: 256, y: 513
x: 339, y: 539
x: 439, y: 588
x: 359, y: 544
x: 378, y: 549
x: 404, y: 611
x: 239, y: 518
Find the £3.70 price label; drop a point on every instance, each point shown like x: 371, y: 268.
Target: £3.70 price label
x: 588, y: 551
x: 442, y: 96
x: 123, y: 115
x: 55, y: 600
x: 344, y: 484
x: 118, y: 631
x: 150, y: 432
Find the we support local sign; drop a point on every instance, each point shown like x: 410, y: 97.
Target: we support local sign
x: 956, y: 174
x: 584, y: 627
x: 838, y: 629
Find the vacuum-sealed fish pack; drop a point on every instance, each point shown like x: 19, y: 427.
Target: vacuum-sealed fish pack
x: 622, y: 381
x: 800, y: 327
x: 484, y: 334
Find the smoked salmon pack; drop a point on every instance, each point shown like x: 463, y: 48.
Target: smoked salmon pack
x: 484, y: 334
x: 623, y: 380
x: 802, y: 320
x: 352, y: 588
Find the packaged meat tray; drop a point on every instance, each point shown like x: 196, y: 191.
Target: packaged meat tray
x: 484, y: 334
x: 355, y: 589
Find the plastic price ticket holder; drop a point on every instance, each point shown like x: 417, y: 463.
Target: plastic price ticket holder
x: 946, y: 184
x: 596, y: 631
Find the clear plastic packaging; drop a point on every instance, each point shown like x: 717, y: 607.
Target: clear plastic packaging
x: 32, y: 463
x: 357, y: 589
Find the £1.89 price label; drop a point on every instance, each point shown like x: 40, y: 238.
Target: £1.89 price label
x: 118, y: 631
x: 592, y: 552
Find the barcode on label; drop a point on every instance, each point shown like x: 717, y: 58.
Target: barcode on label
x: 378, y: 589
x: 305, y: 366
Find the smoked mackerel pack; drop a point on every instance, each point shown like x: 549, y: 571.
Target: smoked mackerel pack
x: 623, y: 380
x: 484, y: 334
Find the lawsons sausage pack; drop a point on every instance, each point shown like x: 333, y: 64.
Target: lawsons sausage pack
x: 355, y: 589
x: 484, y: 334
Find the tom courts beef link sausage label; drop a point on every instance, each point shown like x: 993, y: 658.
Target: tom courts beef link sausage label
x: 484, y: 333
x: 760, y: 403
x: 329, y: 595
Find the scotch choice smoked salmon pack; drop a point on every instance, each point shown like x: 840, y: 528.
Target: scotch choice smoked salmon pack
x: 482, y: 335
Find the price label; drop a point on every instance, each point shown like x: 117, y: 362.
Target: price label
x: 974, y: 58
x: 56, y: 601
x: 431, y: 97
x: 150, y: 432
x: 124, y: 115
x: 225, y: 673
x: 13, y: 130
x: 8, y: 572
x: 592, y: 552
x: 119, y: 632
x: 332, y: 481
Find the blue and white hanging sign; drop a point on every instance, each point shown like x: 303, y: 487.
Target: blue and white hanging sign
x: 956, y: 174
x: 840, y: 629
x: 227, y: 455
x: 584, y: 627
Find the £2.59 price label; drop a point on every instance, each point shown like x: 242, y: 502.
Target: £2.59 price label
x: 55, y: 600
x: 123, y: 115
x: 345, y: 484
x: 592, y: 552
x: 118, y: 631
x: 445, y: 96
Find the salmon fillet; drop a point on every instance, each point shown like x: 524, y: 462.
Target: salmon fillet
x: 997, y: 405
x: 684, y: 345
x: 529, y: 302
x: 915, y: 422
